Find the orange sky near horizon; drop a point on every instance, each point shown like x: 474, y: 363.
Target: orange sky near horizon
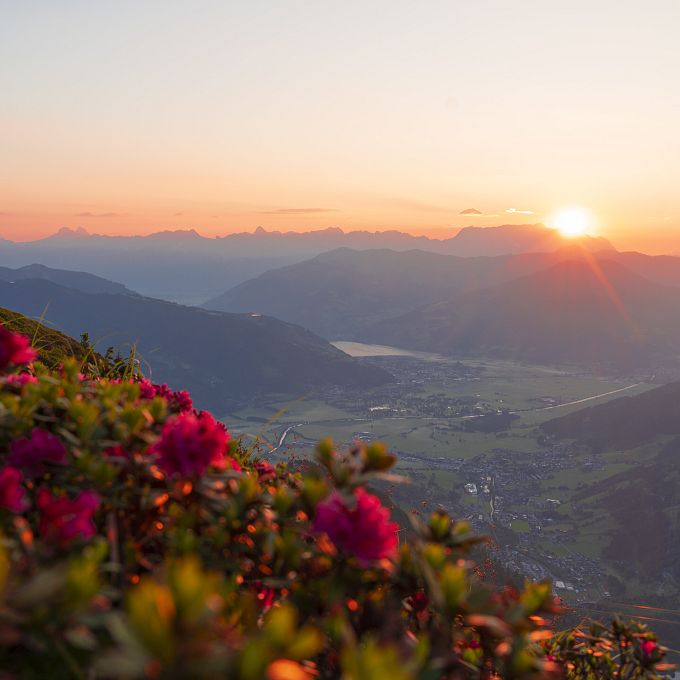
x: 131, y: 118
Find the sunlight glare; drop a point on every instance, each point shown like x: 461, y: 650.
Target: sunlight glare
x: 572, y: 222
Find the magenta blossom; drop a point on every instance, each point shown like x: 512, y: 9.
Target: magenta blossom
x: 181, y: 399
x: 161, y: 390
x: 190, y: 443
x: 265, y: 471
x: 15, y: 349
x: 364, y: 530
x: 649, y: 647
x: 30, y: 453
x: 20, y: 379
x: 63, y: 520
x: 11, y: 491
x: 147, y: 390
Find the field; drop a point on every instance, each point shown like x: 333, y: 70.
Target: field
x: 438, y: 417
x: 528, y: 391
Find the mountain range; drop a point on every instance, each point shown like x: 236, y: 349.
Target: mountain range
x: 596, y: 314
x: 223, y: 359
x: 605, y: 308
x: 183, y: 266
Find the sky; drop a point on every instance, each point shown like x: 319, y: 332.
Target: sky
x: 132, y: 117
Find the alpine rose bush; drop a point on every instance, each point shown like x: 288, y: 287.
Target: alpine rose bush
x: 138, y: 540
x: 364, y: 530
x: 190, y: 443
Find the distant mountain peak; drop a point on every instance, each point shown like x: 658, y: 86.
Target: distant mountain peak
x: 175, y: 234
x: 67, y: 232
x: 519, y: 238
x: 327, y: 231
x: 528, y: 227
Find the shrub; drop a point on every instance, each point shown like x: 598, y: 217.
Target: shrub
x: 140, y: 541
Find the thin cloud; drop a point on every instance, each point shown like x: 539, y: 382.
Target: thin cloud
x: 91, y: 214
x: 473, y: 212
x: 298, y: 211
x: 178, y: 214
x: 515, y: 211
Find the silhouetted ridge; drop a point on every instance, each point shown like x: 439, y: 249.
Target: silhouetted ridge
x: 224, y: 359
x: 594, y: 313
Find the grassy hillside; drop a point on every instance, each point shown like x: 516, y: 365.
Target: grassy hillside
x: 636, y: 509
x: 642, y: 507
x: 623, y: 423
x: 53, y: 347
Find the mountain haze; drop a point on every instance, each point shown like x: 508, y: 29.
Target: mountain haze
x: 338, y: 293
x: 341, y: 293
x: 596, y: 314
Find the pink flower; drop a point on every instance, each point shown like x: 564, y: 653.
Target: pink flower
x: 162, y: 390
x: 181, y: 399
x: 15, y: 349
x: 11, y: 491
x: 364, y: 531
x: 29, y: 453
x: 227, y: 462
x: 20, y: 379
x: 649, y: 647
x: 189, y: 443
x: 147, y: 390
x: 62, y: 520
x: 265, y: 471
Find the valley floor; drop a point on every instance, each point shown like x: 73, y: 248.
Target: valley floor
x: 466, y: 433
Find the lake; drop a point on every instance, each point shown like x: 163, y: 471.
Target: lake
x: 360, y: 349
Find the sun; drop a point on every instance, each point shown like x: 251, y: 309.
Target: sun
x: 572, y: 222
